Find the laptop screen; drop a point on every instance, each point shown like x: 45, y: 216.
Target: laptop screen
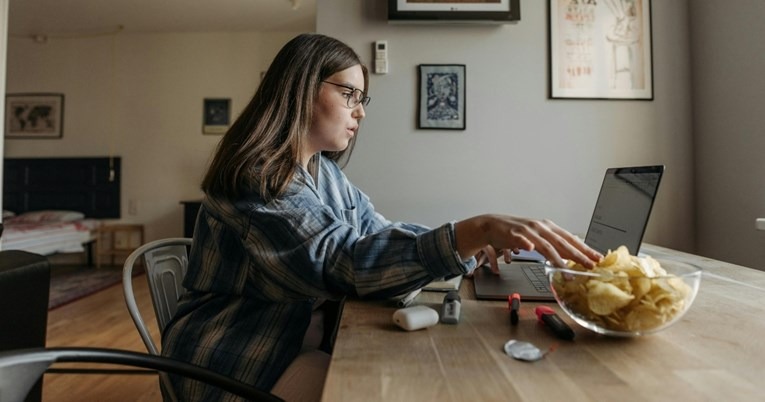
x: 623, y: 207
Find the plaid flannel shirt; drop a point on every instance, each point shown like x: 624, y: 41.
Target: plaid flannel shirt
x: 256, y: 269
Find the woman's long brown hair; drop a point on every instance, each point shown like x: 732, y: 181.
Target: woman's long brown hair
x: 261, y: 150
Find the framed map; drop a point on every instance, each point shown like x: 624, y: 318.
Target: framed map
x: 38, y: 115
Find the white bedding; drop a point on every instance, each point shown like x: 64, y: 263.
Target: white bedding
x: 48, y: 237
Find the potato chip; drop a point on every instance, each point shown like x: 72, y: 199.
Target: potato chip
x: 604, y: 298
x: 640, y: 286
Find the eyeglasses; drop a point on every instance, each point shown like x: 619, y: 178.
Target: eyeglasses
x: 353, y: 98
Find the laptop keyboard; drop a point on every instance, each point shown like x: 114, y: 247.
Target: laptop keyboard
x: 536, y: 275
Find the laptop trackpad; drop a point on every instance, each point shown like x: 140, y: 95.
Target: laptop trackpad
x: 526, y: 279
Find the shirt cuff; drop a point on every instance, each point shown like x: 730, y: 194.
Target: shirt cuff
x: 437, y: 251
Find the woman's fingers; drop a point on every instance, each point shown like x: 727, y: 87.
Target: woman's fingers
x: 508, y: 254
x: 487, y: 255
x: 556, y: 244
x: 491, y: 254
x: 573, y: 248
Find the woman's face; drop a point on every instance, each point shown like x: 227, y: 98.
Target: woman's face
x: 334, y: 123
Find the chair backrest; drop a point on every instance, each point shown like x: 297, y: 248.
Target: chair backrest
x: 165, y: 262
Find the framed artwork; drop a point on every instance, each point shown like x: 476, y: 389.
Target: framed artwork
x: 217, y: 115
x: 34, y: 115
x: 441, y: 97
x: 601, y: 49
x: 496, y: 11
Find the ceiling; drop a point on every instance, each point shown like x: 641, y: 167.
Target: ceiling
x: 52, y: 18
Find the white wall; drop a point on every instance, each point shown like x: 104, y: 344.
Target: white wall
x: 521, y: 153
x: 148, y: 109
x: 728, y: 50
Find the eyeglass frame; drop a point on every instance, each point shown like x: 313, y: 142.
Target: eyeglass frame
x: 363, y: 100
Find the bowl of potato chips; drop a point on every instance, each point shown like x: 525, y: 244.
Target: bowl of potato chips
x: 625, y: 295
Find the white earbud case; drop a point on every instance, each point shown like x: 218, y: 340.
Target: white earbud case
x: 416, y: 317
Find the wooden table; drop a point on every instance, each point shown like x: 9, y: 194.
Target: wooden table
x: 716, y: 352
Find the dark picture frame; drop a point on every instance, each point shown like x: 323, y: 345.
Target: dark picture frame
x: 476, y: 11
x: 34, y: 115
x: 442, y: 90
x: 600, y: 49
x: 217, y: 115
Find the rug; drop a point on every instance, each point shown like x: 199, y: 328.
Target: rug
x: 70, y: 283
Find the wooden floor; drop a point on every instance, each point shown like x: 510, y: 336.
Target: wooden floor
x: 101, y: 320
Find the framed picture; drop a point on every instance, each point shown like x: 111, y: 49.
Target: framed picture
x: 496, y: 11
x: 217, y: 115
x: 39, y: 115
x: 601, y: 49
x: 442, y: 97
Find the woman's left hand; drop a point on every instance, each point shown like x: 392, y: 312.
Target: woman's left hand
x: 489, y: 255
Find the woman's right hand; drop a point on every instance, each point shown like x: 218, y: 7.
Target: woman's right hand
x: 505, y: 232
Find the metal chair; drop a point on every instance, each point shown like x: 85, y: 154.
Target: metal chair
x: 20, y: 369
x: 165, y: 262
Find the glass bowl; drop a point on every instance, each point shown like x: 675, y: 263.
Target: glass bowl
x: 629, y: 303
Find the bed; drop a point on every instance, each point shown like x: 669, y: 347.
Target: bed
x: 48, y: 236
x: 55, y: 205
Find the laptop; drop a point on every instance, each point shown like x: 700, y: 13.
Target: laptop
x: 620, y: 218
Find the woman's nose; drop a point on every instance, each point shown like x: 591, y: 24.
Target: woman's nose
x: 359, y: 112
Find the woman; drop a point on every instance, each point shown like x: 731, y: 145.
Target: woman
x: 282, y: 229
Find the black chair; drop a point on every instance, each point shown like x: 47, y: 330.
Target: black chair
x: 24, y: 291
x: 21, y: 369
